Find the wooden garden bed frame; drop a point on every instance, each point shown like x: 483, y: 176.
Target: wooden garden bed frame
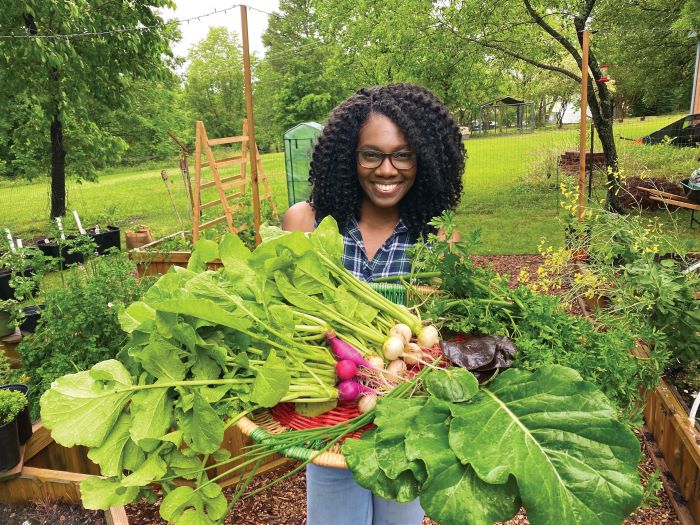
x: 150, y: 261
x: 53, y: 473
x: 678, y: 440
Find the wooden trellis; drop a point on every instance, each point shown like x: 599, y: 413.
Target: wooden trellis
x: 228, y: 188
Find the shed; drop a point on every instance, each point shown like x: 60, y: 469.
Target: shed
x: 505, y: 115
x: 299, y: 143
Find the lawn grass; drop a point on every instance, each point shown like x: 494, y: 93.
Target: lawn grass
x: 510, y: 189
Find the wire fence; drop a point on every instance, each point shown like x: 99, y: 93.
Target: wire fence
x: 511, y: 185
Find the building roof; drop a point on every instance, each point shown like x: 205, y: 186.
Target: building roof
x: 503, y: 101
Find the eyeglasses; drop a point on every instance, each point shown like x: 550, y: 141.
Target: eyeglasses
x: 401, y: 160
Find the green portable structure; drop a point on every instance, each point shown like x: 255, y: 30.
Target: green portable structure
x: 299, y: 143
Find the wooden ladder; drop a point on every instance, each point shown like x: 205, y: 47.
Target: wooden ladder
x: 224, y: 185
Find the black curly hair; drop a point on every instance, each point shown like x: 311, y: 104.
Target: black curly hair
x: 429, y: 128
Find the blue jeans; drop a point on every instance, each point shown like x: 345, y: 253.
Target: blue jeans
x: 334, y: 498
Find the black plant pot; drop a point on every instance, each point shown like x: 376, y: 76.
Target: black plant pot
x: 106, y: 239
x: 31, y: 318
x: 6, y: 291
x: 24, y: 423
x: 51, y: 249
x: 9, y: 446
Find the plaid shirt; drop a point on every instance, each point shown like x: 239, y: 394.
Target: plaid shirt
x: 390, y: 259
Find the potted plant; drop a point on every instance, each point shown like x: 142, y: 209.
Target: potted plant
x: 20, y: 302
x: 61, y: 249
x: 105, y: 239
x: 24, y: 422
x: 6, y: 324
x: 108, y: 236
x: 12, y: 402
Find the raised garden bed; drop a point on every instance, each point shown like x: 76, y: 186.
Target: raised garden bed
x: 51, y: 472
x: 678, y: 439
x: 154, y: 259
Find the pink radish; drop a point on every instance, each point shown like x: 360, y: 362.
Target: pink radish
x: 345, y: 369
x: 350, y: 390
x: 343, y: 350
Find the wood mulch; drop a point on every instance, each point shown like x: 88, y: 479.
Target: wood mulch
x: 49, y: 513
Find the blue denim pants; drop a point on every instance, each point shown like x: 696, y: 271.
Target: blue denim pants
x: 334, y: 498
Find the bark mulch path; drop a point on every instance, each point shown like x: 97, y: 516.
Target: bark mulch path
x: 46, y: 513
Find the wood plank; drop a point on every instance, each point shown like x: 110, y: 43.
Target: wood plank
x: 41, y: 438
x: 227, y: 140
x: 116, y: 516
x: 210, y: 204
x: 660, y: 193
x: 36, y: 484
x: 228, y: 161
x: 683, y: 511
x: 213, y: 222
x: 680, y: 204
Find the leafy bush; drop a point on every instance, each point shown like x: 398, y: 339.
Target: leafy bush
x: 11, y: 403
x: 79, y: 326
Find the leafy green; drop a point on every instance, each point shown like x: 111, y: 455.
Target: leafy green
x: 454, y: 385
x: 548, y: 439
x: 80, y: 409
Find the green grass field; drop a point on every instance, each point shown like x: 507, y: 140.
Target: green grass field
x: 510, y: 189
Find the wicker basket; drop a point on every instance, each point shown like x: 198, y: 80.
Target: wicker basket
x: 264, y: 424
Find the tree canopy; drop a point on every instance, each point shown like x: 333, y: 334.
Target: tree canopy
x: 54, y: 85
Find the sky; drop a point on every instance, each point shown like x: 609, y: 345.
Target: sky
x: 195, y: 30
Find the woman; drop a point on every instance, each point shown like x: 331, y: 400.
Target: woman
x: 389, y: 160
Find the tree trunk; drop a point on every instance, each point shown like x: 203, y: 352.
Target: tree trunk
x: 58, y: 169
x: 601, y: 105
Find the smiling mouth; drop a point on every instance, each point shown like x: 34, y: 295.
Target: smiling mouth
x: 386, y: 188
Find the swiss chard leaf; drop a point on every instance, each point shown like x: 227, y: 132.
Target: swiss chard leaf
x: 361, y: 457
x: 574, y: 463
x: 394, y: 418
x: 455, y: 385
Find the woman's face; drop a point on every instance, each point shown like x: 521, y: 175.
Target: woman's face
x: 384, y: 185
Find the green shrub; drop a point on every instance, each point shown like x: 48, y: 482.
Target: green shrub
x: 79, y: 325
x: 11, y: 403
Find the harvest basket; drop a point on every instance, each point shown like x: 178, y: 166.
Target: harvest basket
x: 279, y: 419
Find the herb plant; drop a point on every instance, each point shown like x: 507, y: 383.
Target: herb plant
x: 12, y: 402
x: 79, y: 325
x: 475, y: 300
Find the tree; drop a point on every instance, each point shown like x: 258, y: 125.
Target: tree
x: 541, y: 33
x: 155, y: 106
x: 650, y: 55
x: 214, y: 87
x: 296, y: 81
x: 54, y: 81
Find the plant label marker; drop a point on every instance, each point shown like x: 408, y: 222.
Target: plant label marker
x: 59, y: 223
x: 19, y: 243
x: 10, y: 240
x: 77, y: 221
